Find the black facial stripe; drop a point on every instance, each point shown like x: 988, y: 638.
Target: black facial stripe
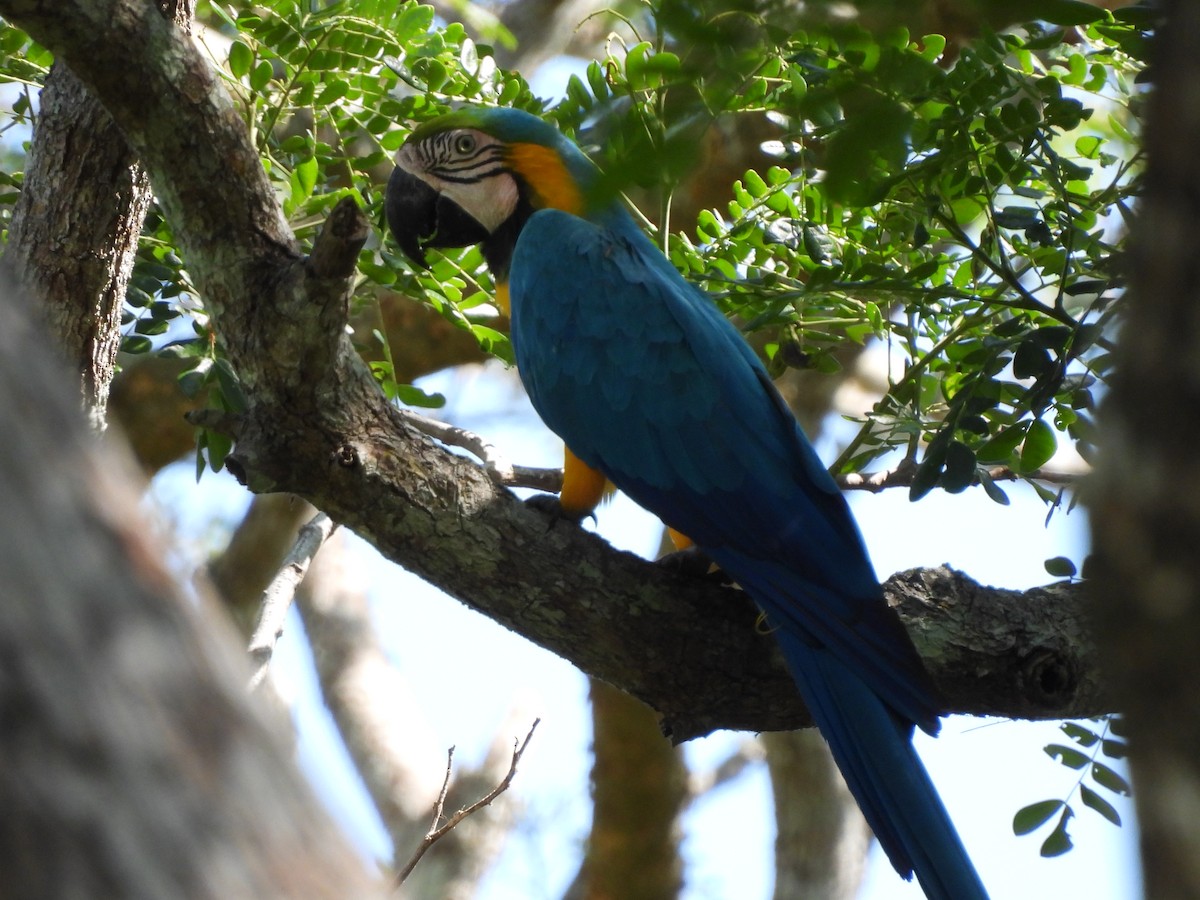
x: 439, y: 157
x: 467, y: 176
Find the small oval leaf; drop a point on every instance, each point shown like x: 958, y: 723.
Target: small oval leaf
x: 1068, y: 756
x: 1059, y: 842
x: 1092, y: 800
x: 1060, y: 567
x: 1106, y: 777
x: 1040, y: 444
x: 1035, y: 815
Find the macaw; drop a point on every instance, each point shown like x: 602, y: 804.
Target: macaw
x: 652, y: 389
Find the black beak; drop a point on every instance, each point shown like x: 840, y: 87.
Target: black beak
x: 420, y: 217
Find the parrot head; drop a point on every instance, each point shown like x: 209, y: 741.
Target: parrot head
x: 474, y: 176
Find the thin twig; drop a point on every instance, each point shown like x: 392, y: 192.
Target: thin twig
x: 277, y: 598
x: 505, y: 473
x: 494, y: 462
x: 903, y: 474
x: 437, y: 832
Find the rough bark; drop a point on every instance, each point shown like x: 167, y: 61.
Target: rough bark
x: 75, y: 229
x: 1145, y: 501
x: 76, y: 225
x: 134, y: 764
x: 317, y: 425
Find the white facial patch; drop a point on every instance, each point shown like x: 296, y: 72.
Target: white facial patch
x: 466, y: 166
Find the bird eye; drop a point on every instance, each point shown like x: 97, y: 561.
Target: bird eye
x: 464, y: 144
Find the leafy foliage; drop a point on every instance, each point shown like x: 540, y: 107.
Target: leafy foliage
x: 1083, y: 757
x: 963, y: 206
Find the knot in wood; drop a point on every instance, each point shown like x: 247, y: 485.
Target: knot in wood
x: 346, y: 456
x: 1050, y: 679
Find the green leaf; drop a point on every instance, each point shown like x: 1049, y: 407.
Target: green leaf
x: 1085, y: 737
x: 1059, y: 842
x: 1035, y: 815
x: 933, y: 45
x: 1114, y: 749
x: 1106, y: 777
x: 240, y: 59
x: 959, y: 473
x: 755, y: 184
x: 994, y: 491
x: 1016, y: 217
x: 304, y: 177
x: 928, y: 472
x: 151, y: 326
x: 999, y: 448
x: 1031, y: 361
x: 410, y: 395
x: 261, y: 76
x: 1088, y: 146
x: 1092, y: 800
x: 1059, y: 12
x: 1060, y: 567
x: 192, y: 382
x: 1040, y: 445
x: 230, y: 385
x: 219, y: 446
x: 1068, y: 756
x: 136, y: 343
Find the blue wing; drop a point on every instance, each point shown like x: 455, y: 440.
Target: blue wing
x: 644, y: 379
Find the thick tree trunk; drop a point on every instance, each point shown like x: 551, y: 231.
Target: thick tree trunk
x: 1145, y: 500
x: 75, y: 229
x: 76, y: 225
x: 134, y: 764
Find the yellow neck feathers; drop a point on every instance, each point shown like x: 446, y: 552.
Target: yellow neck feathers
x: 553, y: 188
x: 543, y: 171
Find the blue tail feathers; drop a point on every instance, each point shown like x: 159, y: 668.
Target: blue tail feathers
x: 873, y: 749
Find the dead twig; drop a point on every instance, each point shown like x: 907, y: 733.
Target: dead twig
x: 499, y: 469
x: 903, y: 474
x: 505, y: 473
x: 277, y: 598
x: 437, y: 832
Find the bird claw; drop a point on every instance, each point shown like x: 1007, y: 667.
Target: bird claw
x: 550, y: 505
x: 693, y: 562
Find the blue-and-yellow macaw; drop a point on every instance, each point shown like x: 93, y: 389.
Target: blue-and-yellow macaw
x: 651, y: 388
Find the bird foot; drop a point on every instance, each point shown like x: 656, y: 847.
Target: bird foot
x: 550, y: 505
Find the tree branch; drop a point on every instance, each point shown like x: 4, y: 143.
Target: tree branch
x: 277, y: 598
x: 317, y: 425
x: 903, y: 474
